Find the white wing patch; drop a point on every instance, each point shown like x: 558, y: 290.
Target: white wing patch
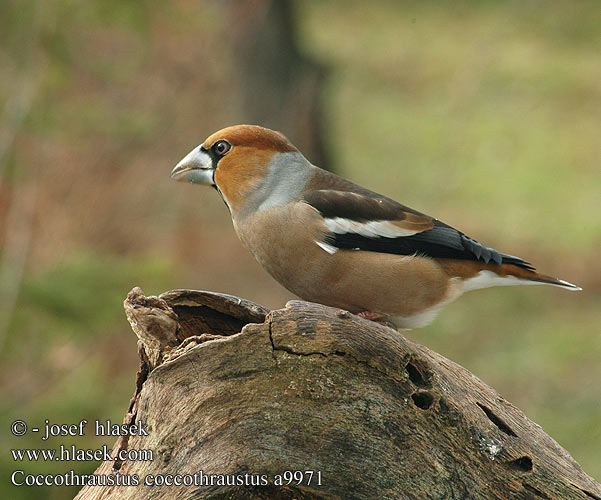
x: 328, y: 248
x: 372, y: 229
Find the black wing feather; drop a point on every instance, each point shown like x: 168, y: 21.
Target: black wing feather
x: 442, y: 241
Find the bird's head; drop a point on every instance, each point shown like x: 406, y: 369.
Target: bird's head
x: 241, y: 162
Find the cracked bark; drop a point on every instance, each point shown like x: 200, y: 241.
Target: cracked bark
x: 229, y: 388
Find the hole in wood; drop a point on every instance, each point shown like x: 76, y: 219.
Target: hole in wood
x: 523, y: 464
x: 422, y: 399
x: 418, y: 375
x: 503, y: 427
x: 204, y: 319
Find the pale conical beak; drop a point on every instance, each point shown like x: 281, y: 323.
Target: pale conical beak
x: 196, y: 167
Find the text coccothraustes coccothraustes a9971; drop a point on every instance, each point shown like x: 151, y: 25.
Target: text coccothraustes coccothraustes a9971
x: 336, y: 243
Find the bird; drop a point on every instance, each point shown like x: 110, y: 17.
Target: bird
x: 333, y: 242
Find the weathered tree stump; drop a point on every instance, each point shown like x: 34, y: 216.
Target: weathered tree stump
x: 234, y: 395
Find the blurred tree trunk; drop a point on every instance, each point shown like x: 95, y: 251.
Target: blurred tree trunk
x: 232, y: 392
x: 280, y: 88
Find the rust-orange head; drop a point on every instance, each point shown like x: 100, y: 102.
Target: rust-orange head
x: 241, y: 162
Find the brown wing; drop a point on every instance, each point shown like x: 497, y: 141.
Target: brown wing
x: 375, y: 223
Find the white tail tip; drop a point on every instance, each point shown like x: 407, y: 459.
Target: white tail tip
x: 569, y: 286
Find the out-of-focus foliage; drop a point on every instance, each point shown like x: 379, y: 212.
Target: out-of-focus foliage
x: 484, y: 114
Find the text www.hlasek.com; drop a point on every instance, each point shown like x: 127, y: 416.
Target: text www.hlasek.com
x: 74, y: 454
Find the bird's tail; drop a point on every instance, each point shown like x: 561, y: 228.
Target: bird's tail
x: 511, y: 274
x: 543, y: 279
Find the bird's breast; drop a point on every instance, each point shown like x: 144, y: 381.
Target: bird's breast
x: 282, y: 239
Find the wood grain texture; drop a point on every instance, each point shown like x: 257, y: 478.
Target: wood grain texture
x: 310, y: 387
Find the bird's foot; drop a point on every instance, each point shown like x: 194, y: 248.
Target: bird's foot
x: 382, y: 319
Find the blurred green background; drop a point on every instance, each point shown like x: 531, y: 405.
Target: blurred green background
x: 486, y: 115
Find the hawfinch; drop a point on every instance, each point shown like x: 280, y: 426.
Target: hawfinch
x: 330, y: 241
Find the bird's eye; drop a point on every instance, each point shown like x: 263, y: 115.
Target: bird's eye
x: 221, y: 147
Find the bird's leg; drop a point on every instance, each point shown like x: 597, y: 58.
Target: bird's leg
x: 382, y: 319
